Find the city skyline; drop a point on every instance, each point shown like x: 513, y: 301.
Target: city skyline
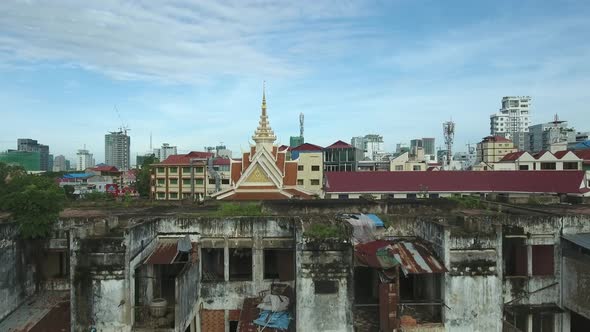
x: 352, y: 69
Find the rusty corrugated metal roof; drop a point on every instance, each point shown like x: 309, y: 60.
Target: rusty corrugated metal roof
x: 416, y: 258
x: 165, y: 252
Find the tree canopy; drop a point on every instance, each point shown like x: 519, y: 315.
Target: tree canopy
x: 144, y: 176
x: 33, y: 201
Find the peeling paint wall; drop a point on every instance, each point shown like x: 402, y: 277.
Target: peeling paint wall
x: 16, y: 276
x: 576, y: 288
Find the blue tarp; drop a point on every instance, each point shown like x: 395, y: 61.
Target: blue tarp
x: 378, y: 222
x: 77, y: 175
x: 276, y: 320
x: 582, y: 145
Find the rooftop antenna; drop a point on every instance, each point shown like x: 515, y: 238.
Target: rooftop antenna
x: 449, y: 134
x: 301, y: 117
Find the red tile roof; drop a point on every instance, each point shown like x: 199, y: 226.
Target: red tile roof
x: 512, y: 156
x: 221, y: 161
x: 185, y: 159
x: 105, y: 168
x: 284, y: 147
x: 498, y: 139
x: 307, y: 147
x: 339, y: 145
x: 540, y: 154
x: 583, y: 154
x: 455, y: 181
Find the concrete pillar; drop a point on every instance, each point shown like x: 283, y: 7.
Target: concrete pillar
x: 529, y: 325
x: 226, y: 260
x: 529, y: 256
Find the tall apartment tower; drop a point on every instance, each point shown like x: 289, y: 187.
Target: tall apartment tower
x: 84, y: 160
x: 31, y: 145
x: 117, y: 150
x: 165, y: 151
x: 59, y: 164
x: 513, y: 120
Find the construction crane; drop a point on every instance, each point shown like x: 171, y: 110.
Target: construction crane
x: 124, y: 127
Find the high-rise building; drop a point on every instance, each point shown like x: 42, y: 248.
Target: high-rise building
x: 29, y: 160
x: 117, y: 149
x: 541, y: 136
x: 513, y: 120
x: 50, y: 163
x: 84, y: 160
x: 59, y: 164
x: 31, y: 145
x: 165, y: 151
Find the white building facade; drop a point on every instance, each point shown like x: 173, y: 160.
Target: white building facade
x: 513, y: 120
x: 165, y: 151
x: 84, y: 160
x: 117, y: 148
x: 542, y: 136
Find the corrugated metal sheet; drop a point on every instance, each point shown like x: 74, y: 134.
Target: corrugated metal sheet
x: 415, y: 258
x: 165, y: 252
x: 580, y: 239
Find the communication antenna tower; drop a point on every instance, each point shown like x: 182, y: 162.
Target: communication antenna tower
x: 449, y: 134
x: 301, y: 117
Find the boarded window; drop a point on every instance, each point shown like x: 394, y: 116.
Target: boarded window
x: 325, y: 286
x: 278, y: 264
x: 240, y: 264
x: 543, y: 260
x: 212, y: 264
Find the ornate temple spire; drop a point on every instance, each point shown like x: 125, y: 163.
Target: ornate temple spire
x: 264, y: 133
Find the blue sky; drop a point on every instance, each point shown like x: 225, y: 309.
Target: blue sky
x: 191, y: 72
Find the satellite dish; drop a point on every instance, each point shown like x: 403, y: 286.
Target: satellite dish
x: 184, y: 244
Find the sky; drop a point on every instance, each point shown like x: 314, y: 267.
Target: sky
x: 190, y: 73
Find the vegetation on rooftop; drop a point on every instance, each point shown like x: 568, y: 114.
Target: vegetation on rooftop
x: 228, y: 209
x: 322, y: 231
x: 468, y: 202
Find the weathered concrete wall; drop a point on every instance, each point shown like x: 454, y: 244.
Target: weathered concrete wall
x: 187, y: 290
x: 475, y: 303
x: 324, y: 312
x: 16, y: 276
x: 576, y: 284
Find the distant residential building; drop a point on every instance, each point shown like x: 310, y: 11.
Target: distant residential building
x: 165, y: 151
x: 296, y: 141
x: 181, y: 177
x: 408, y: 162
x: 30, y: 161
x: 220, y: 151
x: 310, y: 167
x: 31, y: 145
x: 513, y: 120
x: 341, y: 157
x: 542, y: 136
x: 68, y: 165
x: 371, y: 145
x: 50, y: 162
x: 117, y: 149
x: 493, y: 148
x: 401, y: 148
x: 84, y: 160
x: 428, y: 145
x: 59, y: 164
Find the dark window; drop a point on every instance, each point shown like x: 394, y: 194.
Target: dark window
x: 543, y: 322
x: 199, y: 169
x: 523, y: 167
x: 233, y: 326
x: 278, y: 264
x: 299, y: 182
x: 173, y: 181
x: 212, y: 264
x: 515, y: 257
x: 186, y: 181
x: 173, y: 169
x: 325, y: 286
x: 161, y: 181
x: 543, y: 260
x: 315, y: 182
x: 300, y: 167
x: 186, y: 170
x: 570, y: 165
x: 224, y: 181
x: 343, y: 196
x: 240, y: 264
x: 411, y: 195
x: 315, y: 168
x: 547, y: 165
x: 211, y: 181
x: 160, y: 169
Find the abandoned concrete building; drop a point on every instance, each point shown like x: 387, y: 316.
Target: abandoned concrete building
x: 344, y: 265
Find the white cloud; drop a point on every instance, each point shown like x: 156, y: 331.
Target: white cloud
x: 170, y: 41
